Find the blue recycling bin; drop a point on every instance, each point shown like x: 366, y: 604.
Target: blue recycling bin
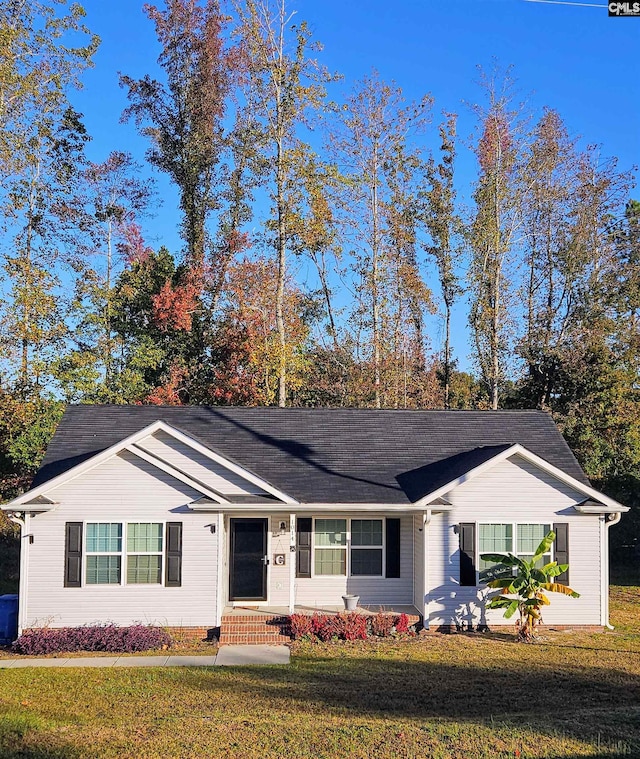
x: 8, y: 618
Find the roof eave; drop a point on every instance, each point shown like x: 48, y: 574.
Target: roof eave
x: 311, y: 508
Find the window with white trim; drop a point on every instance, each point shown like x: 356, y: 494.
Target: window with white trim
x: 519, y: 539
x: 144, y: 553
x: 348, y: 547
x: 367, y: 547
x: 529, y: 537
x: 106, y: 552
x: 330, y: 555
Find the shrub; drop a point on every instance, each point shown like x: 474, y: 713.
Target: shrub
x: 325, y: 626
x: 354, y: 626
x: 382, y: 624
x: 402, y: 623
x: 301, y: 626
x: 107, y: 637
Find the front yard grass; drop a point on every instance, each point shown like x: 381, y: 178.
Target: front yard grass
x: 466, y: 695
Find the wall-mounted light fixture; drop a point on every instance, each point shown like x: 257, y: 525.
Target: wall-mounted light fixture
x: 283, y: 526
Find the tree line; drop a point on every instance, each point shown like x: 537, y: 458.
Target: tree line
x: 325, y: 230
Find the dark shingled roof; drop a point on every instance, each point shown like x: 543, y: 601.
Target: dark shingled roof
x: 325, y: 455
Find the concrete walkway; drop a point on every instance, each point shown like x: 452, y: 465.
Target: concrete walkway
x: 227, y: 656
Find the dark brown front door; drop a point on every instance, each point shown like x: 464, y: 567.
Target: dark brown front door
x: 248, y: 560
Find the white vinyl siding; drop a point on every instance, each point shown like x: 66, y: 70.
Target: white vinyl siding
x: 123, y: 489
x: 515, y: 492
x: 197, y: 465
x: 373, y: 591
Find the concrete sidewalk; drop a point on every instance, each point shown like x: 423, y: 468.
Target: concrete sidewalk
x: 227, y: 656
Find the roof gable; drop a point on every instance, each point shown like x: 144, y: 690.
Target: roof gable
x: 606, y: 504
x: 139, y: 444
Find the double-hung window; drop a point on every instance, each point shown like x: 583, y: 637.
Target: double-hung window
x: 366, y: 547
x: 349, y: 547
x: 144, y: 553
x: 107, y: 552
x: 104, y: 553
x: 519, y: 539
x: 529, y: 537
x: 331, y: 547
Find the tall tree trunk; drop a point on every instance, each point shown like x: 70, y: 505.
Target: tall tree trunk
x: 107, y: 347
x: 447, y: 354
x: 375, y: 306
x: 282, y: 262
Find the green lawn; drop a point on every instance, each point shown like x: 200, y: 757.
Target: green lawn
x: 469, y: 696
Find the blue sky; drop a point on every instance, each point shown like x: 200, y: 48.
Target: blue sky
x: 572, y: 58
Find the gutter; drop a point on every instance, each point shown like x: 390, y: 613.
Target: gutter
x: 311, y: 508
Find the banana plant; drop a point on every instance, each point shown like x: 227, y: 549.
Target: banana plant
x: 528, y: 582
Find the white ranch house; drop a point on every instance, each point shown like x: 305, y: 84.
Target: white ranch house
x: 184, y: 516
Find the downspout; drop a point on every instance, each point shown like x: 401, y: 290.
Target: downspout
x: 22, y: 520
x: 609, y: 521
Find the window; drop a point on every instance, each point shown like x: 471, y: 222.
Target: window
x: 104, y: 553
x: 144, y: 553
x: 529, y: 538
x: 363, y: 539
x: 331, y: 547
x: 366, y: 547
x: 520, y: 539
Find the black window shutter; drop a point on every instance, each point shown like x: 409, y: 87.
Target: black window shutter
x: 467, y: 553
x: 303, y: 547
x: 73, y: 555
x: 561, y: 546
x: 392, y: 548
x: 173, y: 575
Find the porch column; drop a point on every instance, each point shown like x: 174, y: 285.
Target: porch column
x: 222, y: 576
x: 292, y: 563
x: 24, y: 524
x: 426, y: 519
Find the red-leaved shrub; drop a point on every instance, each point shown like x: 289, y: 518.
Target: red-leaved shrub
x: 354, y: 626
x: 402, y: 623
x: 107, y: 637
x: 301, y: 626
x: 324, y: 626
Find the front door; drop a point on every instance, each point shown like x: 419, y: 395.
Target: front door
x: 248, y: 561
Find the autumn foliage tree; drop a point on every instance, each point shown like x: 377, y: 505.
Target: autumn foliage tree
x: 183, y: 117
x: 247, y: 347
